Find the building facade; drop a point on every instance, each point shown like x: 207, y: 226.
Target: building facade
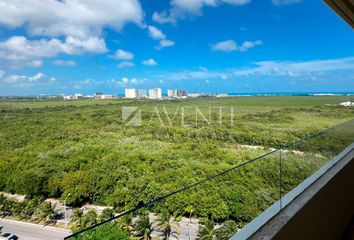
x: 174, y: 93
x: 155, y: 93
x: 131, y: 93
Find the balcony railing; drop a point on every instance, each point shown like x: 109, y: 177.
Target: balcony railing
x: 266, y: 180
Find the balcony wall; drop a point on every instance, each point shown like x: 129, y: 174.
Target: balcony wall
x: 321, y: 208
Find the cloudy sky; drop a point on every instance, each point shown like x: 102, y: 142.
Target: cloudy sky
x: 72, y: 46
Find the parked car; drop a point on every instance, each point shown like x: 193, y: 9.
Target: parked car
x: 8, y: 236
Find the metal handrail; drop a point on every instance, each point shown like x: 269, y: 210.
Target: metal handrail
x: 141, y: 204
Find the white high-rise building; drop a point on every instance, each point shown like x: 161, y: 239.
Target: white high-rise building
x: 174, y: 93
x: 155, y: 93
x: 131, y: 93
x: 171, y: 93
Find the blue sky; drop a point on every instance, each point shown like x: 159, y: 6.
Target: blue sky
x: 213, y: 46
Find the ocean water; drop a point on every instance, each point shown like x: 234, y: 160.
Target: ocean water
x: 292, y: 94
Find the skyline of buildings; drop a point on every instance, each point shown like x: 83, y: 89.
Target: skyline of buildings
x: 133, y: 93
x: 157, y: 93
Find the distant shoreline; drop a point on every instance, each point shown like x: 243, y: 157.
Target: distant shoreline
x: 294, y: 94
x: 212, y: 94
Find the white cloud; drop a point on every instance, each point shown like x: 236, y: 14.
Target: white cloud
x: 23, y: 80
x: 18, y: 51
x: 68, y: 63
x: 36, y: 63
x: 237, y: 2
x: 165, y: 43
x: 77, y: 18
x: 125, y: 64
x: 249, y: 44
x: 2, y: 73
x: 150, y: 62
x: 134, y: 81
x: 156, y: 33
x: 123, y: 82
x: 79, y: 22
x: 225, y: 46
x: 295, y: 69
x: 315, y: 69
x: 36, y: 77
x: 285, y: 2
x: 180, y: 9
x: 163, y: 17
x: 123, y: 55
x: 224, y: 76
x: 190, y: 75
x: 230, y: 46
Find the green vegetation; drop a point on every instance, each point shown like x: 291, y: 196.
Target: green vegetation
x: 165, y: 224
x: 208, y: 231
x: 35, y: 210
x: 106, y: 232
x: 56, y: 148
x: 143, y: 227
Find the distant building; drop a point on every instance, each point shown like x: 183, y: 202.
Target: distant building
x: 222, y: 95
x: 194, y: 95
x: 104, y: 96
x: 171, y: 93
x: 201, y: 95
x: 174, y: 93
x: 70, y: 97
x: 135, y: 93
x: 141, y: 93
x: 155, y: 93
x: 347, y: 104
x: 131, y: 93
x: 100, y: 96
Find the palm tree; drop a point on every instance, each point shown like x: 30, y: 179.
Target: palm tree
x: 165, y: 225
x: 226, y: 231
x: 2, y: 198
x: 107, y: 213
x: 125, y: 223
x: 143, y: 227
x: 206, y: 231
x: 76, y: 218
x: 90, y: 218
x: 5, y: 206
x: 45, y: 212
x: 48, y: 212
x: 76, y: 215
x: 28, y: 209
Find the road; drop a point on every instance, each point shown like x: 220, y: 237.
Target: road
x: 29, y: 231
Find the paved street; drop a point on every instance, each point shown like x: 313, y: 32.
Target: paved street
x: 29, y: 231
